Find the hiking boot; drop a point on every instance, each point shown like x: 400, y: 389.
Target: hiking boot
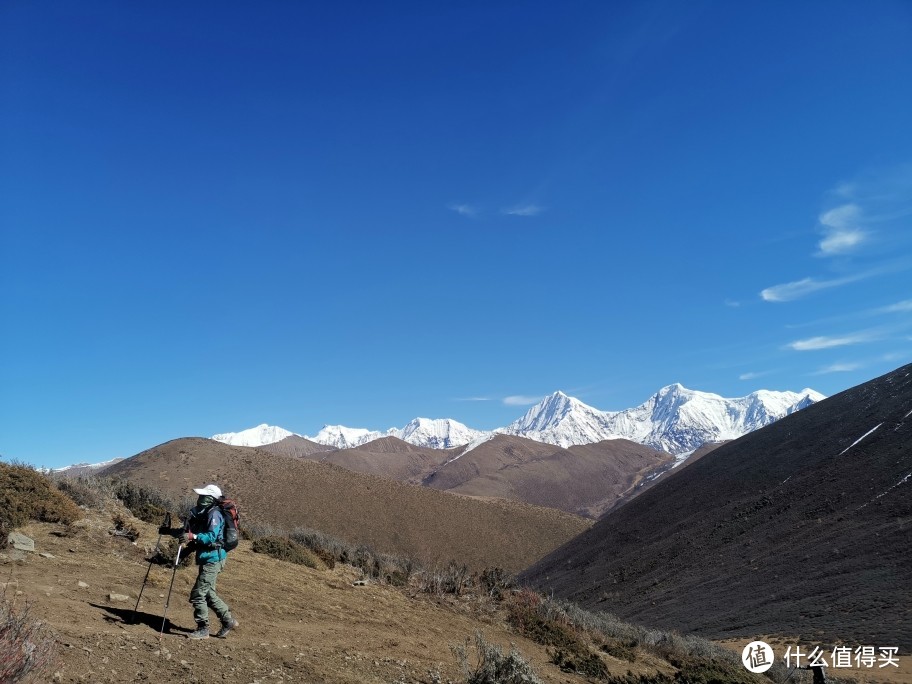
x: 227, y: 627
x: 202, y: 632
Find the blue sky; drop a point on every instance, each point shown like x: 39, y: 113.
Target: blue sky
x: 216, y: 215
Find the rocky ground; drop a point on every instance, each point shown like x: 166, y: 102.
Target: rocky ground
x: 297, y: 624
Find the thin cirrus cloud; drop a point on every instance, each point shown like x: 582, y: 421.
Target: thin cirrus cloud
x: 824, y: 342
x: 524, y: 210
x: 520, y: 400
x: 899, y: 307
x: 753, y: 375
x: 788, y: 292
x: 838, y: 368
x: 842, y: 231
x: 464, y: 209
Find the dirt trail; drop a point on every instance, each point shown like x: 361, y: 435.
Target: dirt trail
x: 297, y: 624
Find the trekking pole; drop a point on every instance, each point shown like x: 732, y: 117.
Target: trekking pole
x: 166, y: 523
x: 168, y: 600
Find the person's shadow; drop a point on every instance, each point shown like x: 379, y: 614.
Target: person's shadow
x: 128, y: 617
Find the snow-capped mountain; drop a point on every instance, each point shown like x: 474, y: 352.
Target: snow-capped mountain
x: 254, y: 437
x: 442, y: 433
x: 675, y: 419
x: 562, y: 420
x: 343, y: 437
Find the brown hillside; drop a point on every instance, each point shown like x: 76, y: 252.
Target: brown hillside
x: 800, y: 528
x: 587, y: 480
x: 297, y: 624
x: 408, y: 520
x: 392, y: 458
x: 298, y: 447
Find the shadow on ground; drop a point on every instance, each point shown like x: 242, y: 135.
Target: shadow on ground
x: 127, y: 616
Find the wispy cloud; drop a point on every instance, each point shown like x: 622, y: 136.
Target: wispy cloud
x: 474, y: 399
x: 464, y: 210
x: 895, y: 356
x: 524, y: 210
x: 753, y: 375
x: 823, y: 342
x: 838, y: 368
x: 899, y: 307
x: 520, y: 400
x: 865, y: 212
x: 732, y: 304
x: 842, y: 230
x: 801, y: 288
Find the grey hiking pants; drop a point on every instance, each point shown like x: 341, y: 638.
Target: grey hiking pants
x: 203, y: 595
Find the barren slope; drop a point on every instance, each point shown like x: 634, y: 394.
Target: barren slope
x: 586, y: 480
x: 297, y: 624
x: 299, y: 447
x: 409, y: 520
x: 391, y: 457
x: 801, y: 528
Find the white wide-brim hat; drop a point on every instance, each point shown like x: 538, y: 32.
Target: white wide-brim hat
x: 209, y: 490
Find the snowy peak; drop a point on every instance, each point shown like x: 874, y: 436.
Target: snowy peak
x: 441, y: 433
x: 254, y: 437
x: 562, y: 420
x: 675, y: 419
x: 343, y: 437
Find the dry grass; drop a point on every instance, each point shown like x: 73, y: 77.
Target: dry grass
x: 492, y: 665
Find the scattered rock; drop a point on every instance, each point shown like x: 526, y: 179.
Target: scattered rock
x: 82, y: 585
x: 118, y: 597
x: 360, y: 583
x: 20, y: 541
x: 46, y: 555
x: 16, y: 555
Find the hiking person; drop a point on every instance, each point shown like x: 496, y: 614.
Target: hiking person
x: 203, y: 532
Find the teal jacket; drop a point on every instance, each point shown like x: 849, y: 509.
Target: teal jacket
x: 207, y: 525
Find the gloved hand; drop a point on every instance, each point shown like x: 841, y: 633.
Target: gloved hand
x: 187, y: 537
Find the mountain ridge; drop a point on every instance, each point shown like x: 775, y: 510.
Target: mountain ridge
x: 674, y: 419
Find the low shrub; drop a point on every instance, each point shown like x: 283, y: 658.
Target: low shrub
x: 146, y: 503
x: 620, y: 650
x: 26, y: 494
x: 492, y: 665
x: 167, y: 551
x: 124, y: 528
x: 25, y: 646
x: 452, y: 579
x: 394, y: 570
x: 86, y: 490
x: 532, y: 617
x: 285, y: 549
x: 496, y: 582
x: 588, y: 664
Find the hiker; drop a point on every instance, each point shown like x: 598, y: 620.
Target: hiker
x: 203, y: 532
